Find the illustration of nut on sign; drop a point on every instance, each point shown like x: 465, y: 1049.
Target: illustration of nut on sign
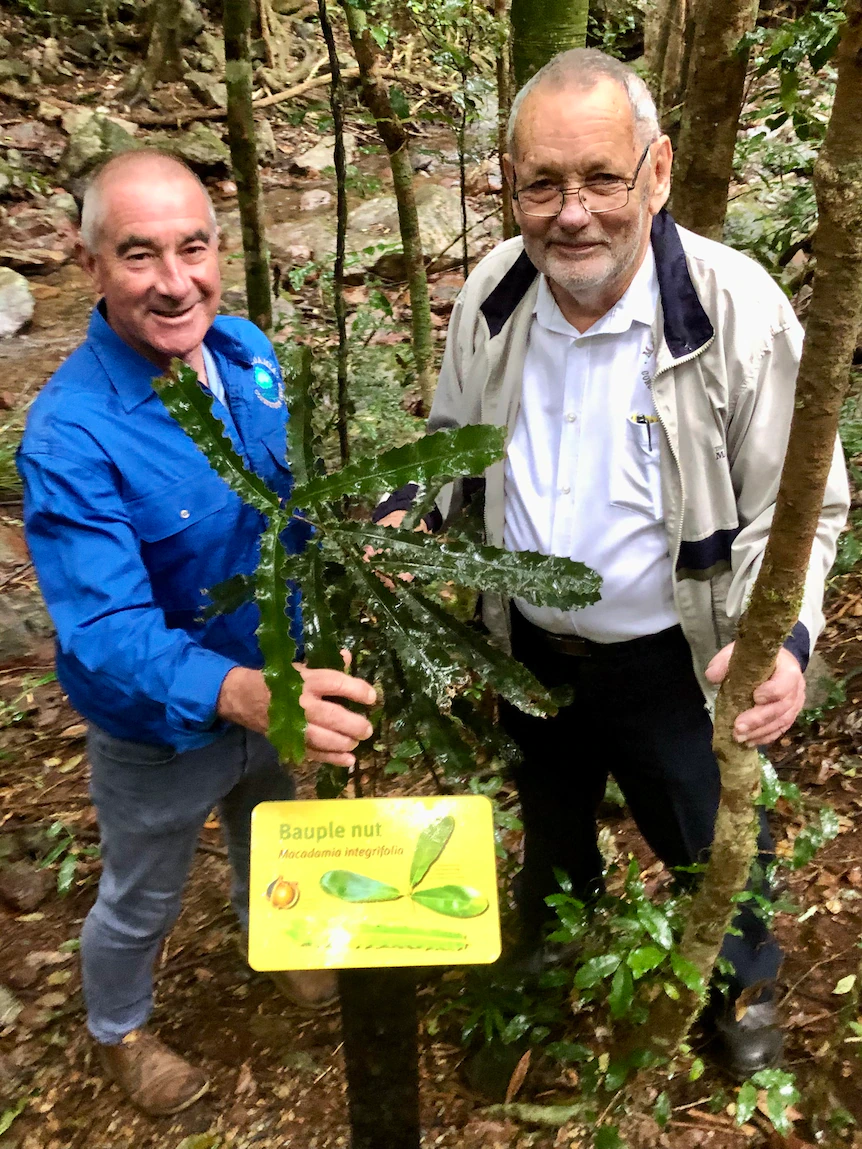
x: 283, y: 894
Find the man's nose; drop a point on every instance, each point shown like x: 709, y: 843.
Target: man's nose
x: 173, y: 278
x: 573, y: 214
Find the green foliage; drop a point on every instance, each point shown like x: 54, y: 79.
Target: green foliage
x: 425, y: 657
x: 66, y: 853
x: 813, y: 836
x: 781, y: 1095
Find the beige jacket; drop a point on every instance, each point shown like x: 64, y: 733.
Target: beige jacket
x: 727, y: 351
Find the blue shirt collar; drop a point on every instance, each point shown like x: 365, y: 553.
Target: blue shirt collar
x: 130, y: 373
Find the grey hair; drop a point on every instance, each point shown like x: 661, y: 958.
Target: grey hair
x: 92, y: 208
x: 583, y: 68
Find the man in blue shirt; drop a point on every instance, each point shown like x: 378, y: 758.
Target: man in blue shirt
x: 127, y: 525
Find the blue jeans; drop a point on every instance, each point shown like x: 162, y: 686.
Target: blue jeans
x: 151, y: 804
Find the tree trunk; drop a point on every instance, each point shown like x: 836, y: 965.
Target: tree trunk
x: 504, y: 104
x: 541, y: 29
x: 336, y: 102
x: 833, y: 321
x: 668, y: 36
x: 243, y: 154
x: 163, y: 62
x: 375, y: 96
x: 713, y: 101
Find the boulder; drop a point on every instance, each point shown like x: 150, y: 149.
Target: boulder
x: 93, y: 141
x: 373, y: 233
x: 16, y: 302
x: 25, y: 628
x: 40, y: 238
x: 23, y: 887
x: 322, y: 155
x: 191, y: 21
x: 11, y: 69
x: 212, y: 46
x: 266, y: 147
x: 207, y: 89
x: 198, y: 145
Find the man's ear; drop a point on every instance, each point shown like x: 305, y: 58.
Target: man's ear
x: 88, y: 263
x: 662, y: 162
x: 509, y: 171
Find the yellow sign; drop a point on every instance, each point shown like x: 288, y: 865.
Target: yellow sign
x: 373, y: 882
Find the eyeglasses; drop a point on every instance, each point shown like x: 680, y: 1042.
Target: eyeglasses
x: 596, y: 196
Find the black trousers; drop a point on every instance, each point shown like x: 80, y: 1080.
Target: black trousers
x: 638, y: 714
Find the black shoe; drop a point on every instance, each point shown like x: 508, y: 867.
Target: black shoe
x: 749, y: 1043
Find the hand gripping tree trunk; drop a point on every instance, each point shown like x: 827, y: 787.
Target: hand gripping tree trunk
x: 713, y: 100
x: 243, y: 154
x: 541, y: 29
x: 830, y: 338
x: 375, y: 96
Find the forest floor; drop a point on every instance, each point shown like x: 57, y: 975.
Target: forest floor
x: 277, y: 1073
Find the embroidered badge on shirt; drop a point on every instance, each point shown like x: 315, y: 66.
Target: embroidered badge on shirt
x: 267, y: 385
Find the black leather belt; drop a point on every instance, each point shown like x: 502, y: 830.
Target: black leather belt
x: 568, y: 644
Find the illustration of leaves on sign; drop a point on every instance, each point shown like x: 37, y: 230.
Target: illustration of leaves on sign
x: 401, y: 635
x: 452, y: 900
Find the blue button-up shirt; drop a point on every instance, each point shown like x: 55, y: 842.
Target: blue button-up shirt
x: 128, y: 525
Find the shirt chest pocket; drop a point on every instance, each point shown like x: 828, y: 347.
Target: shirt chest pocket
x: 178, y: 527
x: 635, y: 472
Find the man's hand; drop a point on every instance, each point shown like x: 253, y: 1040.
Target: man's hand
x: 394, y: 519
x: 332, y: 730
x: 777, y: 701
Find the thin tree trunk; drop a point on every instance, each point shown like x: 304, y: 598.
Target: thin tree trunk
x: 713, y: 101
x: 336, y: 102
x: 504, y: 104
x: 375, y: 96
x: 836, y: 307
x: 541, y: 29
x: 163, y: 62
x: 243, y: 154
x: 668, y: 39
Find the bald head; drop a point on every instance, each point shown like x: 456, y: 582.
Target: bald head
x: 142, y: 167
x: 581, y: 69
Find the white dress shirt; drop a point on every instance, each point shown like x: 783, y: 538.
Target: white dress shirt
x: 582, y: 468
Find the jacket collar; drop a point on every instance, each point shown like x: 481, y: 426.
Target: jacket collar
x: 686, y: 325
x: 132, y: 375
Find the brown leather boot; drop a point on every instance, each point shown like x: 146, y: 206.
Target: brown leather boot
x: 156, y: 1079
x: 307, y: 988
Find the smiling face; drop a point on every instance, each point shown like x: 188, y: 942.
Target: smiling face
x: 565, y: 137
x: 156, y: 260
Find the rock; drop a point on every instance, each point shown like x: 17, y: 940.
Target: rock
x: 89, y: 44
x: 199, y: 146
x: 11, y: 69
x: 5, y: 47
x: 30, y: 136
x: 10, y: 1006
x: 91, y: 142
x: 33, y: 260
x: 48, y: 112
x: 373, y: 233
x: 207, y: 89
x: 23, y: 887
x: 191, y: 21
x: 266, y: 147
x: 12, y: 89
x: 322, y: 155
x: 213, y: 46
x: 25, y: 628
x: 819, y: 680
x: 16, y: 302
x: 38, y: 238
x: 62, y: 201
x: 313, y: 199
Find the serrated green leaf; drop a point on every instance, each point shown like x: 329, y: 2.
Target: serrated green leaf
x: 350, y: 887
x: 322, y: 647
x: 429, y: 462
x: 430, y: 845
x: 296, y: 366
x: 453, y: 901
x: 687, y: 972
x: 331, y: 781
x: 596, y: 970
x: 542, y: 579
x: 746, y: 1103
x: 655, y: 923
x: 608, y: 1137
x: 286, y: 715
x: 228, y: 596
x: 181, y: 393
x: 644, y: 958
x: 622, y: 991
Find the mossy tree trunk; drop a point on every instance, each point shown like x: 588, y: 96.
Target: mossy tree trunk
x: 163, y: 62
x: 541, y: 29
x: 375, y: 96
x: 713, y: 101
x: 336, y: 102
x: 504, y: 104
x: 668, y: 36
x: 833, y: 321
x: 243, y: 153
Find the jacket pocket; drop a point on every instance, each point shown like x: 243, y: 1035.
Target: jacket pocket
x: 635, y: 476
x: 176, y: 508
